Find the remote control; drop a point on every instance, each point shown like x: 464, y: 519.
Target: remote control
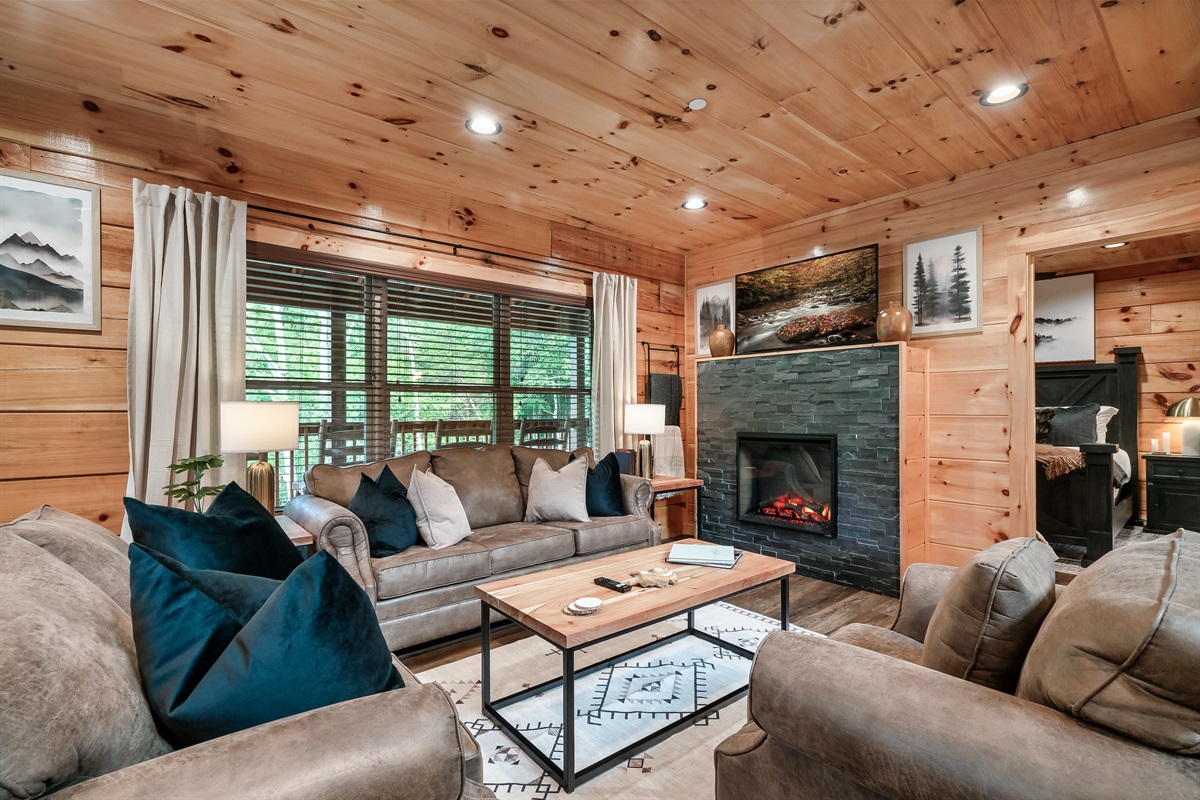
x: 609, y: 583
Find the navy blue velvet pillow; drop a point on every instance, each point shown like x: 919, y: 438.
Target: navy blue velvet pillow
x: 220, y: 652
x: 604, y: 495
x: 235, y: 534
x: 389, y: 518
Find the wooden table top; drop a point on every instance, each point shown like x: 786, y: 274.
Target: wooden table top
x: 537, y: 600
x: 664, y: 483
x: 299, y: 536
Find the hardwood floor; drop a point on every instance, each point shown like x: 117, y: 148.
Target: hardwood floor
x: 817, y: 605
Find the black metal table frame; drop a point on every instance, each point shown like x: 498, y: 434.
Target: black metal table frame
x: 699, y: 490
x: 568, y: 778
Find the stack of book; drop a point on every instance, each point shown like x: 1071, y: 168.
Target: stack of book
x: 704, y: 555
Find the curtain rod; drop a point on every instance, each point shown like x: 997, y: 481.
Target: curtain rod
x: 454, y: 248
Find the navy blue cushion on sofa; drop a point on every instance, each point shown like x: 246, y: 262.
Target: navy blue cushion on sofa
x: 220, y: 652
x: 603, y: 491
x: 235, y: 534
x: 382, y: 505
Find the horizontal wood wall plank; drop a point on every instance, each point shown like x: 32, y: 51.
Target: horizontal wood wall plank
x: 96, y: 497
x: 969, y: 437
x: 43, y: 445
x: 969, y: 392
x: 969, y: 481
x: 62, y: 379
x: 972, y: 527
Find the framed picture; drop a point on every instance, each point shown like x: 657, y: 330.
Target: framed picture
x: 1064, y: 319
x: 49, y: 252
x: 826, y: 301
x: 714, y: 306
x: 943, y: 285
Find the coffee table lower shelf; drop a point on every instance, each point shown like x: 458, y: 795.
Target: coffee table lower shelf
x: 567, y: 775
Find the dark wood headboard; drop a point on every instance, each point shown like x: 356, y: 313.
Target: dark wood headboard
x: 1106, y: 384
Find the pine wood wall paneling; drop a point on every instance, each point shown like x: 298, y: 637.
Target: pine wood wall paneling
x: 63, y: 426
x: 1130, y: 182
x: 1161, y: 314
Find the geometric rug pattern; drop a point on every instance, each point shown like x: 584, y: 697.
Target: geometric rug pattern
x: 614, y: 707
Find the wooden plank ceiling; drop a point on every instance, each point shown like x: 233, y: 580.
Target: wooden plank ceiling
x: 812, y: 105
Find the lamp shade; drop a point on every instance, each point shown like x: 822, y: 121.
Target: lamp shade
x: 248, y: 427
x: 1187, y: 407
x: 1188, y: 410
x: 645, y: 418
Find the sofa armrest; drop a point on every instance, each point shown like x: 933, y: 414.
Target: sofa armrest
x: 923, y: 585
x: 905, y: 731
x: 339, y: 532
x: 638, y: 494
x: 399, y: 744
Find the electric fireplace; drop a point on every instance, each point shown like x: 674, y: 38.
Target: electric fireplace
x: 788, y: 482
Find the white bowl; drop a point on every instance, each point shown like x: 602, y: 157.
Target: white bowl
x: 588, y: 603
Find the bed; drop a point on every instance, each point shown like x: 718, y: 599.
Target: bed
x: 1086, y: 506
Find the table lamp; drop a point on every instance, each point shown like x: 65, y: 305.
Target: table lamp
x: 1189, y: 409
x: 249, y: 427
x: 645, y: 419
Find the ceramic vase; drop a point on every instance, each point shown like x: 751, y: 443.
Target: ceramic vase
x: 894, y: 323
x: 720, y: 342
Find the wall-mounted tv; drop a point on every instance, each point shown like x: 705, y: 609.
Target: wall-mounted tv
x: 826, y: 301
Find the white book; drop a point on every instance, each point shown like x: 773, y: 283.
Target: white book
x: 715, y: 555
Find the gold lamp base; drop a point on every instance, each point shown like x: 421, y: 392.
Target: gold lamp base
x: 260, y: 482
x: 645, y: 459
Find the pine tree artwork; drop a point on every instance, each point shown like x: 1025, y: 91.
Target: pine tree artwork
x: 942, y: 283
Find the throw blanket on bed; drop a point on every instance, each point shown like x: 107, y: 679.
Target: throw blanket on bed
x: 1059, y: 461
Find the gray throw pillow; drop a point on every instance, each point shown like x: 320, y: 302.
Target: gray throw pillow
x: 441, y: 518
x: 558, y: 496
x: 1072, y: 426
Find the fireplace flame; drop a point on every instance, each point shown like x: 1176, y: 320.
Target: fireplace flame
x: 796, y: 510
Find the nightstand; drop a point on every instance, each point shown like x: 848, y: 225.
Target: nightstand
x: 1172, y: 492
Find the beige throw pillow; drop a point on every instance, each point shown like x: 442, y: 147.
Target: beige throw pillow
x: 558, y: 496
x: 441, y: 519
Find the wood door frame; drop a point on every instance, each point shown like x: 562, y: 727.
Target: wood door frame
x: 1157, y: 218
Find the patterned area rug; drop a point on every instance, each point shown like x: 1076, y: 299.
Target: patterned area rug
x: 615, y: 707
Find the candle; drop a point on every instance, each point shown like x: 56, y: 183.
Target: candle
x: 1154, y: 445
x: 1166, y: 440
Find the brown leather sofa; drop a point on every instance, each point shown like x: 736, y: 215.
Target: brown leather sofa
x: 74, y: 722
x: 1106, y: 703
x: 421, y: 594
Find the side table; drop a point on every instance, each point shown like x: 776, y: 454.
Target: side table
x: 299, y: 536
x: 1172, y: 492
x: 662, y: 484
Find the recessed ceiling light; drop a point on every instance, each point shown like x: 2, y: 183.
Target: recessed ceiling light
x: 483, y: 126
x: 694, y: 203
x: 1114, y: 245
x: 1004, y: 94
x: 697, y: 104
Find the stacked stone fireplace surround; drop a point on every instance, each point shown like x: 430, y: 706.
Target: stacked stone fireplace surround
x: 853, y: 393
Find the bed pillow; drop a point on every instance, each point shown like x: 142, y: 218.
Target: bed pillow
x: 220, y: 652
x: 558, y: 495
x: 441, y: 518
x: 383, y: 507
x: 1102, y: 419
x: 604, y: 495
x: 236, y: 534
x: 1072, y: 426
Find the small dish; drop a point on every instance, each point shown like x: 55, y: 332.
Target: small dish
x: 588, y: 603
x: 573, y: 611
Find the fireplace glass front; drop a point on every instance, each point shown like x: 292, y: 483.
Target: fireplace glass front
x: 788, y: 481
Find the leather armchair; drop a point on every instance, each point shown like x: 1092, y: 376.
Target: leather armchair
x: 863, y: 715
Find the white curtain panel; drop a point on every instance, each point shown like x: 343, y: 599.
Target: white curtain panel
x: 187, y: 331
x: 614, y: 359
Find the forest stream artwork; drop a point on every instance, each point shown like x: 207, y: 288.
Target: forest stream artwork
x: 827, y: 301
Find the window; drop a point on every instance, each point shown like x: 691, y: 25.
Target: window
x: 377, y: 362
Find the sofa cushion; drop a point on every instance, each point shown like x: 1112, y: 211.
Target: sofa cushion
x: 881, y: 640
x: 558, y: 495
x: 70, y: 696
x: 1122, y: 646
x: 386, y: 513
x: 220, y: 652
x: 79, y: 543
x: 485, y: 481
x: 525, y: 457
x: 419, y: 568
x: 990, y: 612
x: 441, y: 518
x: 236, y: 534
x: 339, y: 484
x: 606, y: 533
x: 521, y: 544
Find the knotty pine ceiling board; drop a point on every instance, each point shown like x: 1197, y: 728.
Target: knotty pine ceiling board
x: 1168, y: 247
x: 813, y: 105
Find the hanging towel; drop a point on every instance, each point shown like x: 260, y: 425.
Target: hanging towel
x: 668, y: 455
x: 666, y: 389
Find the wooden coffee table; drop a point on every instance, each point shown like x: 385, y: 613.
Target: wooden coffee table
x: 536, y: 603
